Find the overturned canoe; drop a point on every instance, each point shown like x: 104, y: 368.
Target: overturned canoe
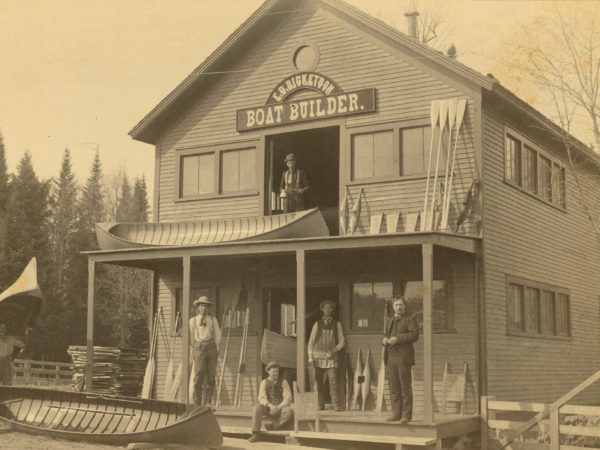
x: 20, y: 304
x: 106, y: 419
x: 309, y: 223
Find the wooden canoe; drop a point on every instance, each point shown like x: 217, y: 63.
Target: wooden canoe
x: 21, y: 303
x: 309, y: 223
x: 276, y: 347
x: 106, y: 419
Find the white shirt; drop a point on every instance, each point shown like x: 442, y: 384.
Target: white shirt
x: 8, y: 343
x: 199, y: 332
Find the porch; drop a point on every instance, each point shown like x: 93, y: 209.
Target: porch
x: 308, y: 268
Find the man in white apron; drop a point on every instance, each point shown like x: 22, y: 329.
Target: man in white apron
x: 293, y: 186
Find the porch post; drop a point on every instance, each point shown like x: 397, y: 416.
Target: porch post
x: 185, y: 320
x: 427, y: 251
x: 89, y: 360
x: 300, y: 319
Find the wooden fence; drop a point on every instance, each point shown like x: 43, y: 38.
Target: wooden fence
x: 26, y: 371
x: 569, y: 427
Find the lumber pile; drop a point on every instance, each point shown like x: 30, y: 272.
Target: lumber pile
x: 116, y: 371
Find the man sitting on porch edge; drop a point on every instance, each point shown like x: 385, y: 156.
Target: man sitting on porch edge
x: 274, y: 402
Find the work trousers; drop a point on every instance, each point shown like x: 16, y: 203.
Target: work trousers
x: 331, y: 374
x: 293, y: 203
x: 5, y: 371
x: 205, y: 369
x: 283, y: 416
x: 400, y: 380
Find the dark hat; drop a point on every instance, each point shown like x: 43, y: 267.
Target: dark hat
x: 325, y: 302
x: 290, y: 157
x: 270, y: 365
x: 202, y: 301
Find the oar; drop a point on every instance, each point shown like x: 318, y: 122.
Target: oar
x: 344, y: 213
x: 357, y: 376
x: 242, y: 364
x: 170, y: 368
x: 348, y: 384
x: 365, y: 388
x: 451, y: 118
x: 434, y: 117
x: 460, y: 113
x: 355, y: 216
x: 381, y: 374
x: 224, y: 359
x: 443, y: 117
x: 149, y: 374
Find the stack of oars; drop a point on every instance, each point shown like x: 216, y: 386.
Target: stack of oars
x: 115, y: 371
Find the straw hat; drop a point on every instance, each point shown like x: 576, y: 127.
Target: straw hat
x: 271, y: 364
x: 290, y: 157
x: 202, y: 301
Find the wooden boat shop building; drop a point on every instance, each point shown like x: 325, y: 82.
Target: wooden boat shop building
x: 502, y: 276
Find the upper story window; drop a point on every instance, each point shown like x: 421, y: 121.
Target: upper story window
x: 394, y: 151
x: 532, y: 170
x: 216, y: 172
x: 535, y: 309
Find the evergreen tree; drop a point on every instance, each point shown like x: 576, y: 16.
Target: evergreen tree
x: 125, y: 202
x: 139, y: 207
x: 26, y: 218
x: 3, y: 194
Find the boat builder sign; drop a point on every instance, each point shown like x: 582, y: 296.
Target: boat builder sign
x: 334, y: 103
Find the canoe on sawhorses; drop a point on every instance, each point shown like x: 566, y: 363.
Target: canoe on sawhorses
x: 109, y: 420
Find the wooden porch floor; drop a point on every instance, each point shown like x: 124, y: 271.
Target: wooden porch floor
x: 367, y: 426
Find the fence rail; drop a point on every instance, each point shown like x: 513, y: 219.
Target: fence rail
x: 509, y: 416
x: 26, y: 371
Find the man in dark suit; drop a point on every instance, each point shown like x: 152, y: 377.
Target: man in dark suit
x: 400, y: 333
x: 293, y: 186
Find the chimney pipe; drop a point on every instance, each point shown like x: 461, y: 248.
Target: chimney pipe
x: 412, y: 23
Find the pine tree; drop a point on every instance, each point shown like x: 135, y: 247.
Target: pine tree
x: 139, y: 207
x: 26, y: 230
x: 3, y: 194
x: 124, y: 207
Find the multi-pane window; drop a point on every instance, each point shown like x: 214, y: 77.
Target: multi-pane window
x: 197, y: 175
x: 530, y: 179
x: 546, y: 178
x: 369, y: 299
x: 217, y: 172
x: 534, y: 309
x: 396, y: 151
x: 529, y: 168
x: 513, y: 160
x: 373, y: 155
x: 238, y: 170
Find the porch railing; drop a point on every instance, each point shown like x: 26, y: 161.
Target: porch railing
x: 568, y: 427
x: 26, y: 371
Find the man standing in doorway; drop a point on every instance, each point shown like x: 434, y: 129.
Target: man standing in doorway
x: 326, y: 339
x: 7, y: 345
x: 401, y: 332
x: 205, y: 336
x: 293, y: 186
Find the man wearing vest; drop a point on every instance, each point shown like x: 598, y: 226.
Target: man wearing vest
x: 293, y: 186
x: 326, y: 339
x: 401, y: 332
x: 274, y: 402
x: 205, y: 336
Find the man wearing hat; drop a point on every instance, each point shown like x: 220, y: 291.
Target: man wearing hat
x: 326, y: 339
x: 293, y: 186
x: 274, y: 402
x: 205, y: 336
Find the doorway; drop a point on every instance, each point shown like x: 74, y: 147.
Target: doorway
x: 318, y: 154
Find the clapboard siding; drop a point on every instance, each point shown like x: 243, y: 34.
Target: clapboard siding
x: 527, y: 238
x: 351, y: 59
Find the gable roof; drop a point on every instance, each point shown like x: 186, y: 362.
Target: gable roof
x: 150, y: 127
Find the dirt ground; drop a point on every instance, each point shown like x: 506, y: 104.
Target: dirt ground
x: 13, y: 441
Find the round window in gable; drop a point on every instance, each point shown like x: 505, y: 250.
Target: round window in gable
x: 306, y: 57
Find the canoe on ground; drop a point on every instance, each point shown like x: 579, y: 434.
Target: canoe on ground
x: 309, y: 223
x: 108, y: 420
x: 20, y: 304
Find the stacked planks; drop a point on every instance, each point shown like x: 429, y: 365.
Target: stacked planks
x: 116, y: 371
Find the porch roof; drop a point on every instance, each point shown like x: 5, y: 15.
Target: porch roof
x: 463, y: 243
